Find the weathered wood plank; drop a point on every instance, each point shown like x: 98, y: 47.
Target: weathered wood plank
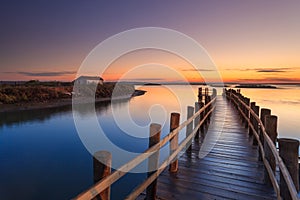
x: 231, y: 170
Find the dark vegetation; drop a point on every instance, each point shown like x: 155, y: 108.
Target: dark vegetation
x: 40, y: 92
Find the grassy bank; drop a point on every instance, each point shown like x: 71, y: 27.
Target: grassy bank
x: 40, y: 93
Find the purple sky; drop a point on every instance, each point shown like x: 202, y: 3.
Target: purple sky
x: 48, y: 40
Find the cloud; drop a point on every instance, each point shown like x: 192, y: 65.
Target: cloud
x: 273, y: 70
x: 44, y: 74
x: 143, y: 79
x: 265, y: 70
x: 271, y: 80
x: 199, y: 70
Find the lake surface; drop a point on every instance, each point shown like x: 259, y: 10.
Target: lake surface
x: 43, y: 157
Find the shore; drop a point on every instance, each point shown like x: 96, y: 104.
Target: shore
x: 5, y: 108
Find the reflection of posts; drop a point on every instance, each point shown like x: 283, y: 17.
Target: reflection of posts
x: 102, y: 169
x: 153, y: 161
x: 174, y: 123
x: 288, y: 151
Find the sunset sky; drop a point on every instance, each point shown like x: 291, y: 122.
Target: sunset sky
x: 249, y: 41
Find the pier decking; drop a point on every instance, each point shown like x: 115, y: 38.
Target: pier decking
x: 230, y: 171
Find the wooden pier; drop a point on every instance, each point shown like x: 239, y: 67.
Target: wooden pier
x: 229, y: 152
x: 231, y: 170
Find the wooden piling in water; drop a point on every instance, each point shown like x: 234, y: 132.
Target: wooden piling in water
x: 255, y: 124
x: 174, y: 123
x: 197, y: 120
x: 207, y: 100
x: 153, y: 161
x: 206, y: 91
x: 263, y: 113
x: 200, y: 94
x: 288, y: 151
x: 189, y: 127
x: 271, y: 129
x: 102, y: 168
x: 252, y: 105
x: 247, y: 102
x: 201, y: 105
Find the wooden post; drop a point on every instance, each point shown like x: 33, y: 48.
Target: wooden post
x: 207, y: 100
x: 252, y: 105
x: 153, y: 161
x: 271, y: 129
x: 243, y: 108
x: 205, y: 110
x: 206, y: 91
x: 247, y: 101
x: 174, y: 123
x: 200, y: 94
x: 201, y: 105
x: 263, y: 113
x: 197, y: 120
x: 288, y: 151
x: 102, y: 169
x: 214, y: 92
x: 209, y: 108
x: 189, y: 128
x: 255, y: 124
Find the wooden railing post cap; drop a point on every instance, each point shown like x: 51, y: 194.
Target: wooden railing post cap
x: 155, y: 126
x: 271, y: 117
x: 292, y: 143
x: 103, y: 156
x: 175, y: 114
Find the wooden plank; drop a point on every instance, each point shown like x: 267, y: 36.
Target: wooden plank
x: 231, y: 170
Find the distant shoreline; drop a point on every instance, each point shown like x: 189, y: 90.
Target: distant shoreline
x: 256, y: 86
x: 6, y: 108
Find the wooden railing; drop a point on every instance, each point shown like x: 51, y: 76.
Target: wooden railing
x: 265, y: 136
x: 199, y: 116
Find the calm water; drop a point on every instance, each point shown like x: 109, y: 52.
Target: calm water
x: 42, y: 156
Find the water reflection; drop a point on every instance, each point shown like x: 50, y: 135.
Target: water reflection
x: 284, y: 102
x: 41, y: 115
x: 55, y: 163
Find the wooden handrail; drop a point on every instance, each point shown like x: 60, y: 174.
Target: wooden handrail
x: 155, y: 175
x: 285, y: 173
x: 116, y: 175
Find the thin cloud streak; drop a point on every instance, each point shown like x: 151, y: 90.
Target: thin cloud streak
x: 271, y: 80
x: 198, y: 70
x: 264, y: 70
x: 44, y: 74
